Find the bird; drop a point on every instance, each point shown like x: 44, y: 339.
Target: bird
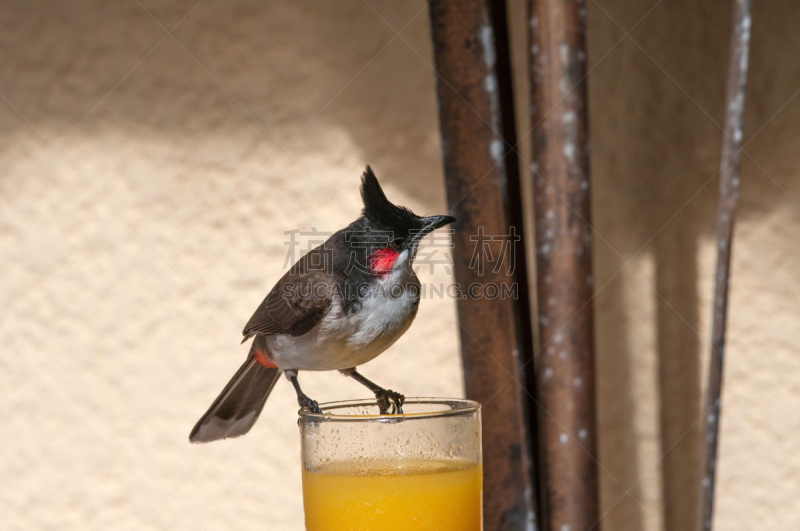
x: 341, y: 305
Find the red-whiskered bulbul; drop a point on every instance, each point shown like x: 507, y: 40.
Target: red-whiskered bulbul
x: 341, y: 305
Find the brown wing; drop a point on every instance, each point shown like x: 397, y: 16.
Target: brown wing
x: 298, y: 301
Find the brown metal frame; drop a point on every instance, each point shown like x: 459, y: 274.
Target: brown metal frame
x: 726, y: 214
x: 482, y: 172
x: 481, y: 167
x: 565, y: 365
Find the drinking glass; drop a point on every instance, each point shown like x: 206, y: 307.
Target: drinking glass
x: 416, y: 471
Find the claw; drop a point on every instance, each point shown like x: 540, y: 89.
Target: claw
x: 384, y: 396
x: 383, y: 402
x: 399, y: 400
x: 306, y: 402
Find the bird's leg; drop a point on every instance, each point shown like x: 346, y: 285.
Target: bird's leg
x: 384, y: 396
x: 302, y: 399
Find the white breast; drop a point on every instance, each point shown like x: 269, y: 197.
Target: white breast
x: 342, y: 341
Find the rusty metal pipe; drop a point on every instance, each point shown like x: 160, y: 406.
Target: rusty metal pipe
x: 726, y: 213
x: 565, y: 366
x: 482, y: 178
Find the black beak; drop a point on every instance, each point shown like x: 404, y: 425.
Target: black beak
x: 432, y: 223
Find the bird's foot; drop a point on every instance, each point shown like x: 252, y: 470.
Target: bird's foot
x: 388, y: 398
x: 306, y: 402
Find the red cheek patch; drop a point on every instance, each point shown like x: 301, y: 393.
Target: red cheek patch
x: 263, y: 360
x: 382, y: 260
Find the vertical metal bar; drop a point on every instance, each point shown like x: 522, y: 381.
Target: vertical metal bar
x: 482, y: 173
x: 565, y: 367
x: 728, y: 198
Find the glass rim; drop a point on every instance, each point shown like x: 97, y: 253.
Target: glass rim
x: 467, y: 407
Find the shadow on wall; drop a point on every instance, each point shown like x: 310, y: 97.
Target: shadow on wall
x: 654, y: 102
x: 235, y: 66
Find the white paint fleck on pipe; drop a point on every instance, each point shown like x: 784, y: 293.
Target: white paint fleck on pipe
x: 563, y: 52
x: 487, y: 41
x: 490, y: 82
x: 496, y: 149
x: 569, y: 150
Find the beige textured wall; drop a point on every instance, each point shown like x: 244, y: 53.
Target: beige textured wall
x: 146, y: 181
x: 135, y: 252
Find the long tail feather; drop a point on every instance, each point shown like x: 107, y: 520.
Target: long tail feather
x: 237, y: 408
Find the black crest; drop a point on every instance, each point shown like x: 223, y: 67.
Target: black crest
x: 379, y: 209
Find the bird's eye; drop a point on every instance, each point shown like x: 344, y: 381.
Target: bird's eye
x: 397, y: 244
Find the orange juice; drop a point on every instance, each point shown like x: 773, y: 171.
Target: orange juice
x: 403, y: 495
